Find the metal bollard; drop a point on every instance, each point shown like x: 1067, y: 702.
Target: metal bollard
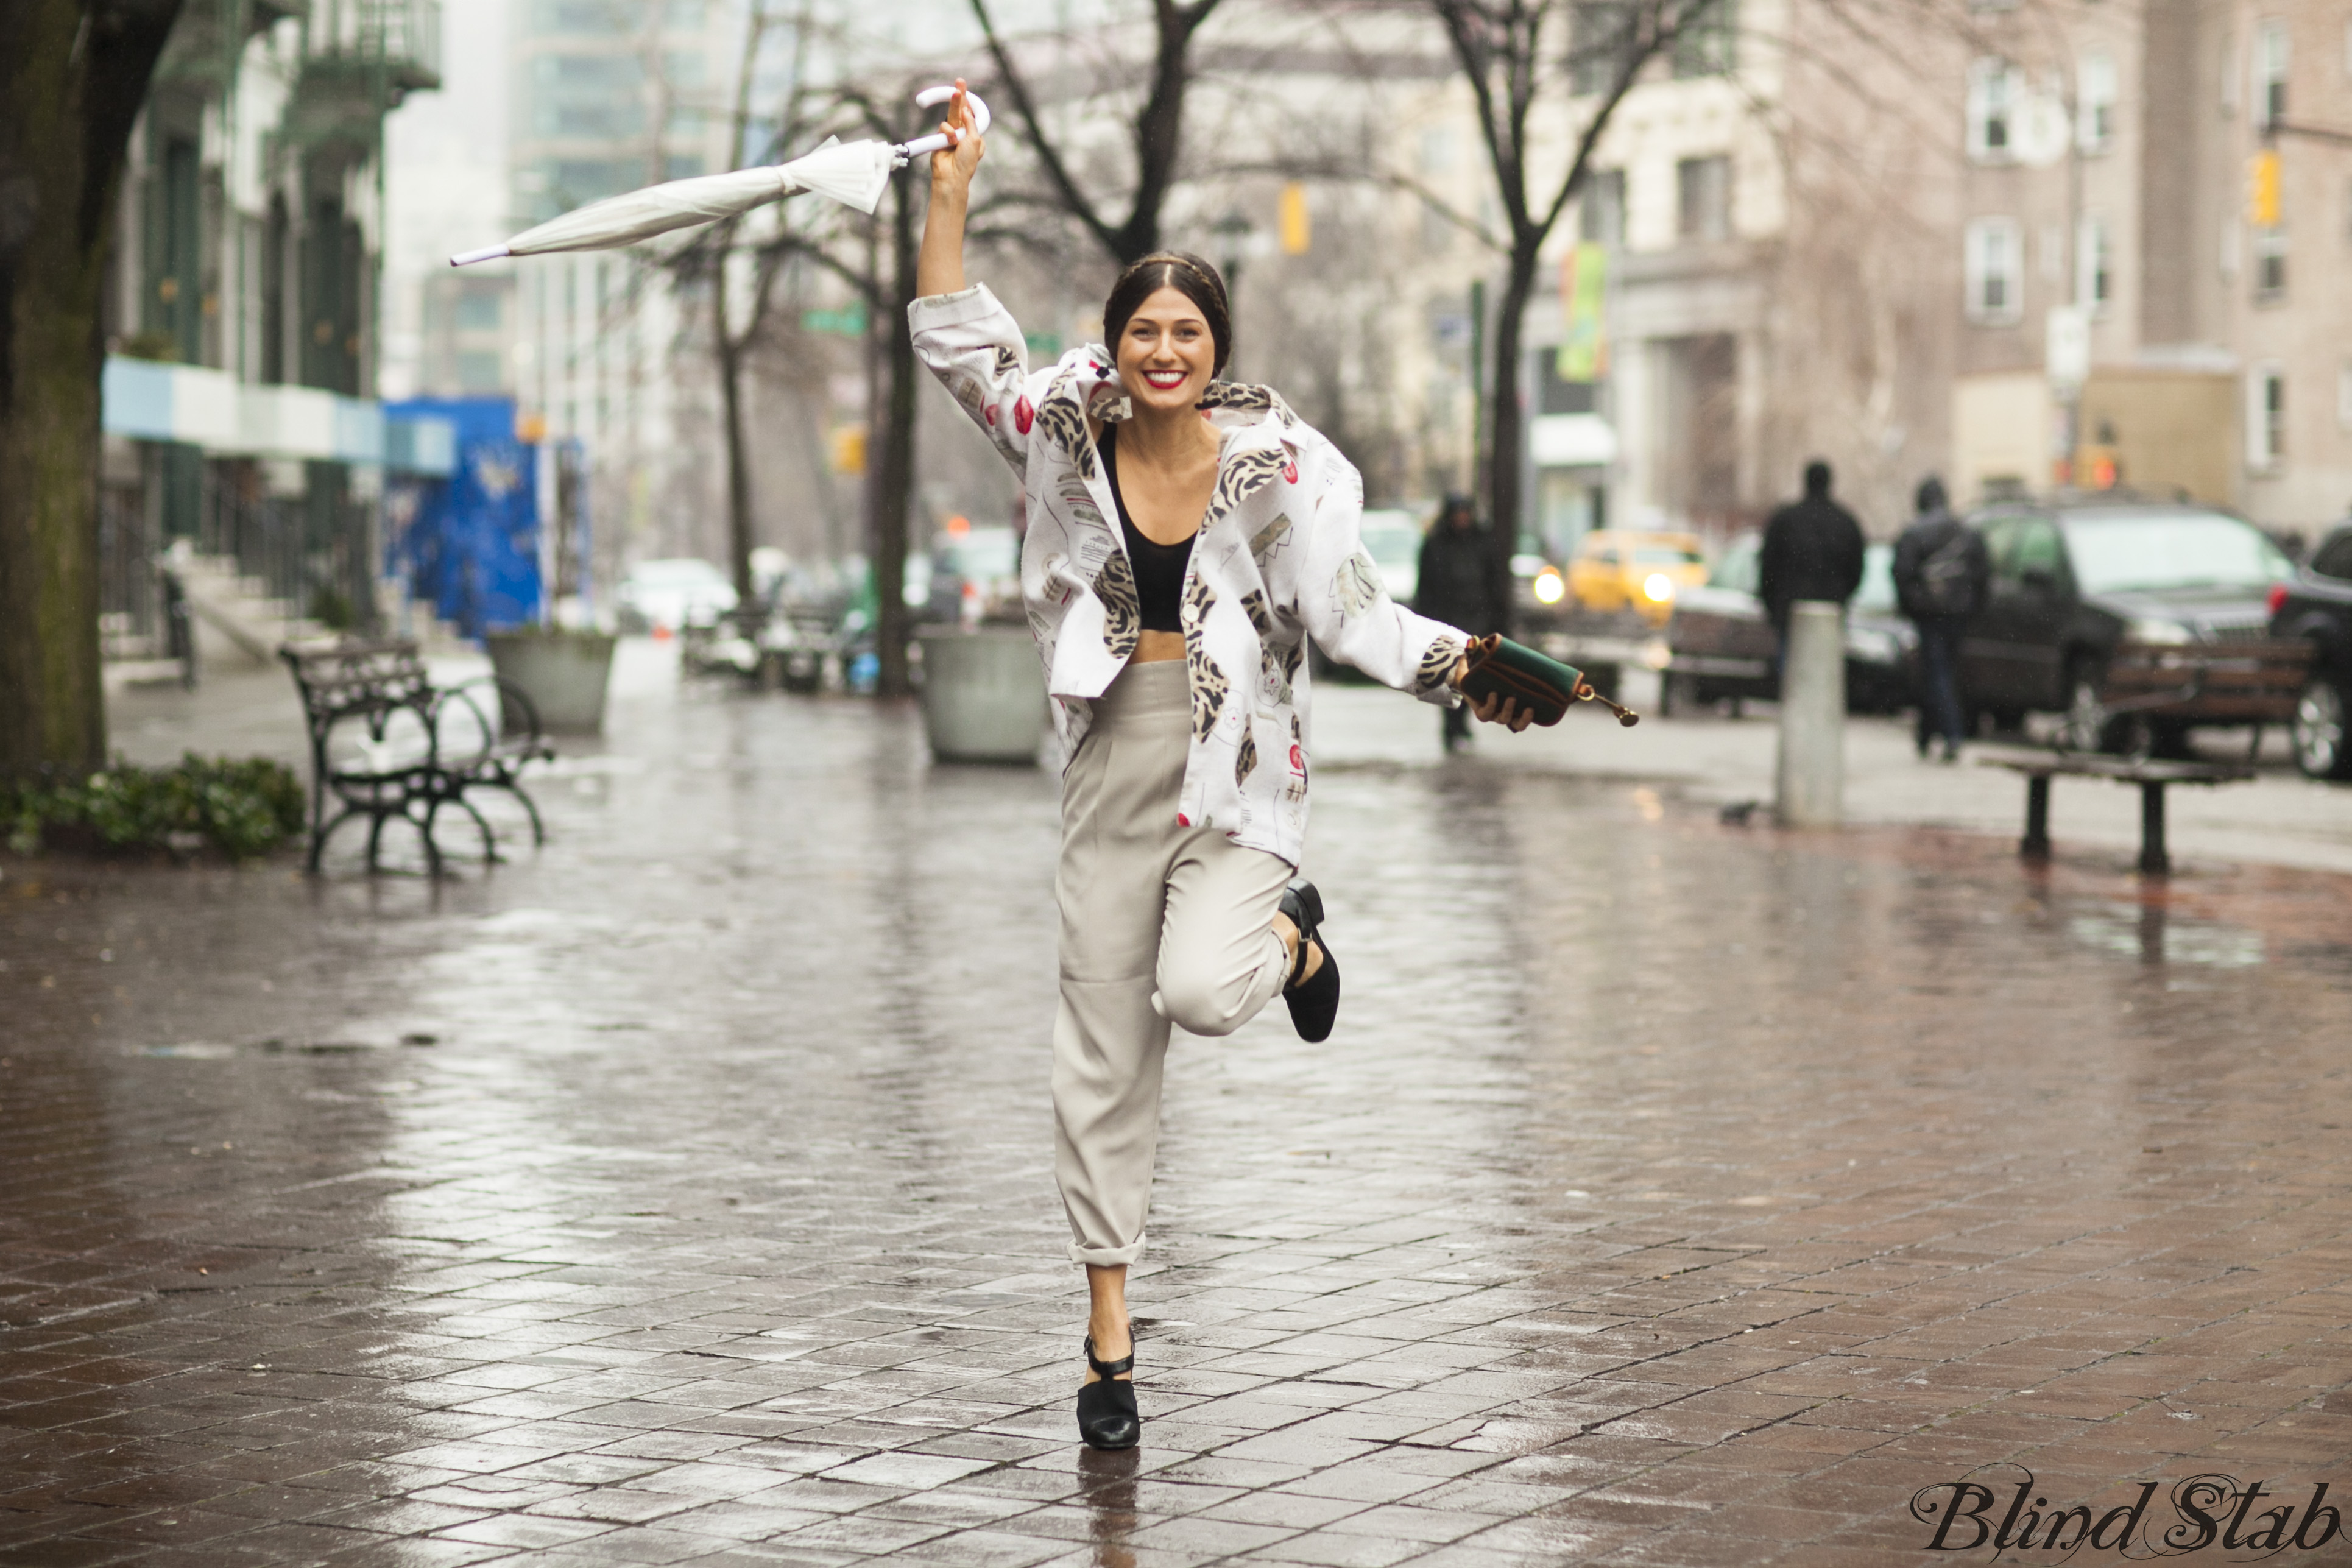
x: 1812, y: 787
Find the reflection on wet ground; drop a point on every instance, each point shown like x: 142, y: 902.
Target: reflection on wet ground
x: 1672, y: 1192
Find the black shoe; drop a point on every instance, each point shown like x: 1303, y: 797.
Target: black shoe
x: 1106, y: 1413
x: 1314, y: 1004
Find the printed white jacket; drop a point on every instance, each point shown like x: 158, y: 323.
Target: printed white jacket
x: 1278, y: 560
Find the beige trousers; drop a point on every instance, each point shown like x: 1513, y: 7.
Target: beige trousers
x: 1160, y: 924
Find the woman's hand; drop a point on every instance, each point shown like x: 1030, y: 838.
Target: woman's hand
x: 954, y: 165
x: 1499, y: 708
x: 938, y: 266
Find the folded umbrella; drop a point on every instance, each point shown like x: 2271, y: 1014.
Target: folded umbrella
x: 851, y: 172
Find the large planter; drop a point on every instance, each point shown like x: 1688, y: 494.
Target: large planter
x: 984, y: 694
x: 563, y: 673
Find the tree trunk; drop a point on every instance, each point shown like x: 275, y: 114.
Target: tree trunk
x: 894, y: 468
x: 739, y: 474
x: 1507, y: 417
x: 72, y: 77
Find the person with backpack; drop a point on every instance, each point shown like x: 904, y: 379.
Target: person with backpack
x: 1941, y: 573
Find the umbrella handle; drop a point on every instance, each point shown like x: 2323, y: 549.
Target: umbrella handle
x: 907, y: 152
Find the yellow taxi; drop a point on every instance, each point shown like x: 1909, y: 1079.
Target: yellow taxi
x: 1617, y: 569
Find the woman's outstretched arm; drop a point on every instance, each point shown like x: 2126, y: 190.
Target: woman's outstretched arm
x: 938, y: 266
x: 965, y: 338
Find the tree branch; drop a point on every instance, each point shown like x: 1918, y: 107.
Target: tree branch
x: 1072, y: 199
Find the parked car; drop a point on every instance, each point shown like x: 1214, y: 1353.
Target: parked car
x: 1617, y: 569
x: 2317, y: 606
x: 2074, y: 580
x: 1722, y: 645
x: 974, y: 575
x: 1540, y: 599
x: 672, y: 595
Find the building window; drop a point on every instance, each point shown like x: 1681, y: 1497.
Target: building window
x: 478, y: 310
x: 1708, y: 43
x: 2270, y: 264
x: 2094, y: 105
x: 1703, y: 192
x: 1599, y: 40
x: 1554, y: 395
x: 1995, y: 86
x: 1993, y: 271
x: 574, y: 16
x: 2093, y: 266
x: 2265, y: 418
x: 479, y: 371
x: 2270, y: 74
x: 1600, y: 210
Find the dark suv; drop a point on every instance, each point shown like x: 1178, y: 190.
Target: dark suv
x: 2317, y: 606
x: 2074, y: 579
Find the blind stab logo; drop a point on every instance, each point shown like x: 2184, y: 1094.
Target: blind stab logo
x: 2208, y: 1509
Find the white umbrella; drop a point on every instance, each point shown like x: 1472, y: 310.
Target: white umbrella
x: 852, y: 173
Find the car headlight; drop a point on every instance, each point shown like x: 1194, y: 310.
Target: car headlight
x: 1550, y: 588
x: 2158, y: 631
x: 1658, y: 588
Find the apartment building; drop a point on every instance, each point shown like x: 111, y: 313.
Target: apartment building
x: 1756, y: 274
x: 598, y: 347
x: 2158, y: 222
x: 241, y: 307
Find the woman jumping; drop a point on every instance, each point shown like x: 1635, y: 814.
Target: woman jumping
x: 1186, y: 537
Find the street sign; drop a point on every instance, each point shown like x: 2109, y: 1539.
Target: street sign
x: 2066, y: 349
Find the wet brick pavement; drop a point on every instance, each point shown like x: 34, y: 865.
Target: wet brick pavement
x: 1670, y: 1193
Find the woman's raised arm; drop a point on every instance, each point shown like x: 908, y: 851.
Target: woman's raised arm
x: 939, y: 267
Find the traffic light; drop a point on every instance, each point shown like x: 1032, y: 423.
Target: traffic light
x: 2262, y: 189
x: 1297, y: 229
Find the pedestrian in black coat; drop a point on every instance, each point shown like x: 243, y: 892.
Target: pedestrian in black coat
x: 1942, y: 574
x: 1813, y: 550
x: 1463, y: 582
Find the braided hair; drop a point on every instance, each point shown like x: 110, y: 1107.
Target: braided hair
x: 1190, y: 276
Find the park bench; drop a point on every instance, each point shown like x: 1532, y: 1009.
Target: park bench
x: 2147, y: 686
x: 386, y: 743
x: 2152, y: 776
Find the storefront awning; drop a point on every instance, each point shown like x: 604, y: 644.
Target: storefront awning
x: 1571, y: 441
x: 149, y: 401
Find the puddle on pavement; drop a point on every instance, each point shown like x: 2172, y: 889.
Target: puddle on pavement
x: 2153, y: 934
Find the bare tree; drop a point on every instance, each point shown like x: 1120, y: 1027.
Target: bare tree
x: 73, y: 74
x: 1515, y: 55
x: 1157, y: 130
x: 876, y: 258
x: 713, y: 255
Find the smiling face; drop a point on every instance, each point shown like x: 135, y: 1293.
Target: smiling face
x: 1166, y: 354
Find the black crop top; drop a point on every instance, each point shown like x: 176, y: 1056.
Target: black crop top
x: 1159, y: 568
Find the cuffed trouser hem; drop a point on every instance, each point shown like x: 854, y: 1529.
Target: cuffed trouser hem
x: 1160, y: 923
x: 1105, y: 1257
